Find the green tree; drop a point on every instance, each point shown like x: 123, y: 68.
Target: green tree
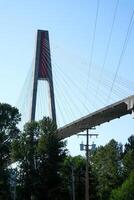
x: 9, y: 118
x: 40, y: 157
x: 24, y: 151
x: 52, y: 153
x: 130, y: 144
x: 126, y: 191
x: 128, y: 157
x: 74, y: 167
x: 107, y: 167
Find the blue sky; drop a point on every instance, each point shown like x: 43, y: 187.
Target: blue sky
x: 71, y: 25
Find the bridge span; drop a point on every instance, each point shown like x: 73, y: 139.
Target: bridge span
x: 106, y: 114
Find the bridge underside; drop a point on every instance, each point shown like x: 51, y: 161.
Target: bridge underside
x: 106, y: 114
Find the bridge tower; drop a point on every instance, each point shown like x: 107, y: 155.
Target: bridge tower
x: 42, y: 71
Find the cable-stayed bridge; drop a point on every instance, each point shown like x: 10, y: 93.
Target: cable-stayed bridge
x: 42, y: 79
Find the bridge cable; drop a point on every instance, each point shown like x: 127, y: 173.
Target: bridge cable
x: 48, y: 65
x: 66, y: 82
x: 66, y: 77
x: 92, y: 46
x: 107, y: 47
x: 130, y: 26
x: 116, y: 91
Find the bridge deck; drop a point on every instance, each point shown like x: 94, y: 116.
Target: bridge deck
x: 106, y: 114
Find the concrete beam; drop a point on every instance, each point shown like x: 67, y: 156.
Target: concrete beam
x: 106, y: 114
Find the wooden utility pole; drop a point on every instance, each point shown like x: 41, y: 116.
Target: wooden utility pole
x: 87, y: 159
x: 87, y: 174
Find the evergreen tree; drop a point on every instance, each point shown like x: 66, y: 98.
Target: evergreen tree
x: 24, y: 151
x: 40, y: 157
x: 52, y: 153
x: 128, y: 157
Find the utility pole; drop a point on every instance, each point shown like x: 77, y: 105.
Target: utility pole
x: 87, y: 160
x: 87, y: 174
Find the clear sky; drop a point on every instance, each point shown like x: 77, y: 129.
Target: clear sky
x: 71, y: 28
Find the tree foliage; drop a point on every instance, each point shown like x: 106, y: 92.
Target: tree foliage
x: 9, y: 118
x: 74, y: 169
x: 45, y: 171
x: 128, y: 157
x: 40, y: 156
x: 126, y: 191
x: 106, y: 165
